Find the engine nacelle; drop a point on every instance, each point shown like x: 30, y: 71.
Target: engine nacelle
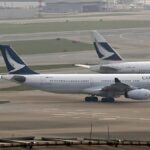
x: 138, y: 94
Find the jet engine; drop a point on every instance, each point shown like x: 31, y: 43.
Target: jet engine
x: 138, y: 94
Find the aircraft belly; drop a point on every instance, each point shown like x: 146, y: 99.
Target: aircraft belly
x: 63, y: 88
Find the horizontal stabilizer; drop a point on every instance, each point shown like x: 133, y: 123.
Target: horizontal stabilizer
x: 83, y: 66
x: 16, y: 78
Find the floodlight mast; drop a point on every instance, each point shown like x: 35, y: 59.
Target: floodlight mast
x: 40, y: 8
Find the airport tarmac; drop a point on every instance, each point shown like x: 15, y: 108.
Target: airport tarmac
x: 46, y: 114
x: 38, y: 113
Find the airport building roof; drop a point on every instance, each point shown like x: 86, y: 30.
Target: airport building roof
x: 73, y: 1
x: 52, y: 0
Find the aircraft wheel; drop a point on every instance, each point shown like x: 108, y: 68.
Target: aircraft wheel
x: 91, y: 99
x: 108, y: 100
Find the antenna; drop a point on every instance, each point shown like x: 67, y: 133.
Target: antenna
x: 40, y: 8
x: 91, y: 130
x: 108, y: 133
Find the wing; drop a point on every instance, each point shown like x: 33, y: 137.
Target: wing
x: 114, y: 90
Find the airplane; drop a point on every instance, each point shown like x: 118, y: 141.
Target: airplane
x: 108, y: 86
x: 111, y: 61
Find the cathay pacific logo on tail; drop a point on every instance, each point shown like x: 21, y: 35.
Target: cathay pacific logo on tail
x: 104, y: 52
x: 17, y: 66
x: 103, y: 49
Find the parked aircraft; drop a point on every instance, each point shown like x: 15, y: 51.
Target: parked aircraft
x: 111, y: 61
x: 108, y: 86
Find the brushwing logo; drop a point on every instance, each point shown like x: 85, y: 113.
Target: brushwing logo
x: 13, y: 63
x: 106, y: 54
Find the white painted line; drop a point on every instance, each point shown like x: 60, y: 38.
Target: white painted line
x: 144, y: 119
x: 76, y: 117
x: 107, y: 118
x: 60, y: 115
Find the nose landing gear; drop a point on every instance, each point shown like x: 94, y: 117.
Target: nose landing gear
x: 103, y: 100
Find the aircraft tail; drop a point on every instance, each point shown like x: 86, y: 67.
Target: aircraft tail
x: 13, y: 62
x: 103, y: 49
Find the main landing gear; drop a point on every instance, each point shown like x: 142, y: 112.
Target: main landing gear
x: 108, y: 100
x: 91, y: 99
x: 103, y: 100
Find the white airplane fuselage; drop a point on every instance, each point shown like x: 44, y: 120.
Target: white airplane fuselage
x: 111, y: 61
x: 82, y: 83
x: 123, y: 67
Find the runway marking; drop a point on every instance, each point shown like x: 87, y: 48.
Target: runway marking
x: 136, y: 111
x: 144, y: 119
x: 109, y: 35
x: 130, y: 118
x: 76, y: 113
x: 63, y: 55
x: 59, y: 114
x: 76, y: 117
x: 99, y: 113
x: 122, y: 36
x: 112, y: 118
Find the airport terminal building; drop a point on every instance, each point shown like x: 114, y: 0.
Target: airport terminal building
x: 13, y: 9
x: 18, y: 9
x: 78, y: 6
